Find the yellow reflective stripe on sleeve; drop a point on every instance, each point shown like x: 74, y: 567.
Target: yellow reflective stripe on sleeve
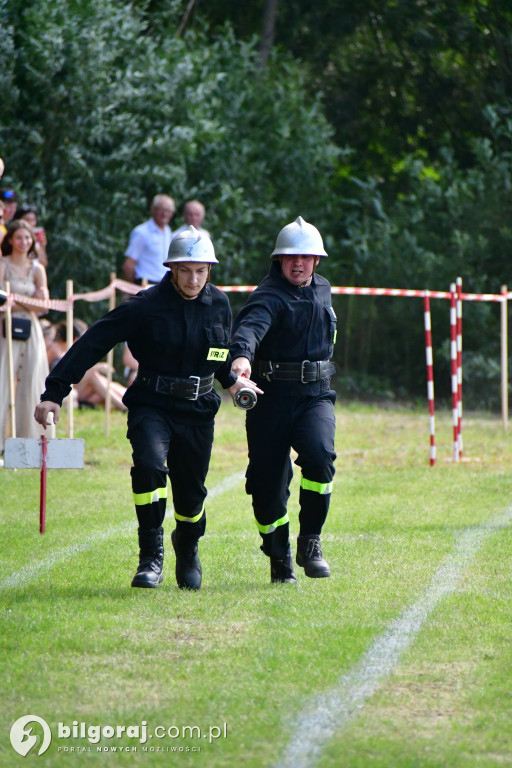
x: 215, y: 353
x: 335, y: 337
x: 272, y: 526
x: 189, y: 519
x: 310, y: 485
x: 150, y: 496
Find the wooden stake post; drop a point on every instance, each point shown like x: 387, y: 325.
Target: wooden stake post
x: 110, y: 364
x: 10, y: 364
x: 504, y: 356
x: 69, y: 401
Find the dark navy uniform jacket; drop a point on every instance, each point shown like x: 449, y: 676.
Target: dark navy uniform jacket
x: 168, y: 336
x: 284, y: 322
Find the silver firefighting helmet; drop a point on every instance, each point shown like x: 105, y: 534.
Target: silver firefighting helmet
x: 299, y: 238
x: 191, y: 245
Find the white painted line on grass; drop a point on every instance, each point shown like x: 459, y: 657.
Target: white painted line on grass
x: 328, y: 713
x: 226, y: 485
x: 32, y: 572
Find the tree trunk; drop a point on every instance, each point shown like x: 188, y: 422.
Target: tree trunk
x: 186, y: 16
x: 267, y: 36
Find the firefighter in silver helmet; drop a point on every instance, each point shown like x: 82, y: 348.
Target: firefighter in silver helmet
x: 283, y: 338
x: 178, y: 331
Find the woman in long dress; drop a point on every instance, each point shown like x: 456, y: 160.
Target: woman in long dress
x: 26, y: 277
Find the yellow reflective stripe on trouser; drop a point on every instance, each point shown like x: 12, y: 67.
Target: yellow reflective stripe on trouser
x: 150, y: 496
x: 272, y: 526
x: 321, y: 488
x: 190, y: 519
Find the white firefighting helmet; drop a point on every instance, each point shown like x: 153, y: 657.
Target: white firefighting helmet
x: 191, y: 245
x: 299, y: 238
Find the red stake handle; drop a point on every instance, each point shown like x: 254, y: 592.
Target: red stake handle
x: 42, y: 497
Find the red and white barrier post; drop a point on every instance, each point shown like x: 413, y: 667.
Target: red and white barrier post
x: 504, y: 355
x: 430, y: 375
x: 459, y: 363
x: 42, y: 490
x: 453, y: 359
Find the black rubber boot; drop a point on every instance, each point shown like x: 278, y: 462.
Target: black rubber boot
x: 310, y: 557
x: 151, y: 558
x: 281, y: 570
x: 188, y: 566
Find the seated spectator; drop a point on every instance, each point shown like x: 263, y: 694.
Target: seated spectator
x: 48, y: 332
x: 193, y: 214
x: 3, y: 228
x: 92, y: 389
x: 131, y: 366
x: 28, y: 213
x: 57, y: 346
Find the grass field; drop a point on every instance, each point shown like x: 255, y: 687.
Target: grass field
x: 402, y: 659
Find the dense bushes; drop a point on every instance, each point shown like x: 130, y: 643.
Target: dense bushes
x: 101, y: 116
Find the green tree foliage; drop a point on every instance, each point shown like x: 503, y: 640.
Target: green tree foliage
x: 399, y: 75
x: 396, y: 75
x: 422, y: 189
x: 451, y: 221
x: 104, y: 113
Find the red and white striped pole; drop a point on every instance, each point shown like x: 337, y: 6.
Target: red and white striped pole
x: 459, y: 363
x: 453, y: 358
x: 430, y: 375
x: 42, y: 487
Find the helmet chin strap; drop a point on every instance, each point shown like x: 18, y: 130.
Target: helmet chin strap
x: 174, y: 281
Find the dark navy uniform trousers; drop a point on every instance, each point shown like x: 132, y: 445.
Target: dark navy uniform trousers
x: 157, y: 440
x: 307, y: 424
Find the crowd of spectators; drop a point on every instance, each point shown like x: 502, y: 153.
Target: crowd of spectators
x: 23, y: 263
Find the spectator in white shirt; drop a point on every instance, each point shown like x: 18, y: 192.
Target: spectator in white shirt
x: 149, y: 244
x: 193, y: 214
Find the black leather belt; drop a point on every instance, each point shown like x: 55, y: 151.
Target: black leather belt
x: 305, y: 371
x: 188, y: 389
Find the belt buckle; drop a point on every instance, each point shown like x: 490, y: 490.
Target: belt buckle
x: 302, y: 372
x: 197, y: 383
x: 270, y: 371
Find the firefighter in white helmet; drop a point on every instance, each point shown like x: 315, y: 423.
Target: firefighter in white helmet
x: 283, y: 338
x: 178, y: 331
